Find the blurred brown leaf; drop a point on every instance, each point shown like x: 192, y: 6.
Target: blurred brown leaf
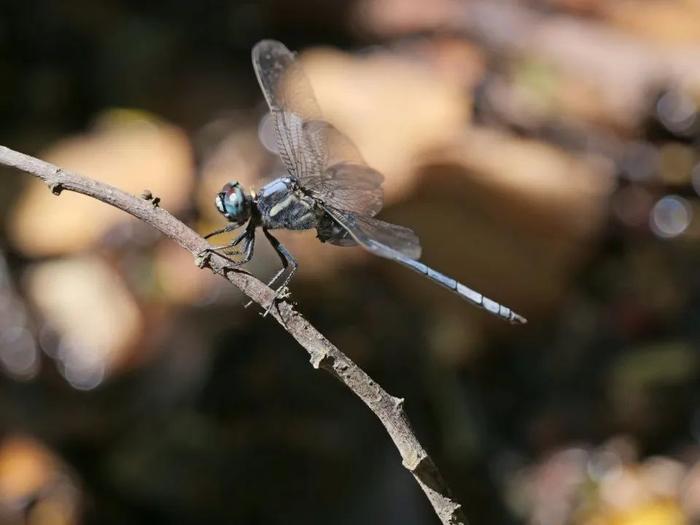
x: 131, y: 150
x: 35, y: 487
x: 668, y: 22
x: 95, y: 316
x: 391, y: 107
x: 25, y: 466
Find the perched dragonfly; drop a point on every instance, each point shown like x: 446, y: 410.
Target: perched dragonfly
x: 328, y: 186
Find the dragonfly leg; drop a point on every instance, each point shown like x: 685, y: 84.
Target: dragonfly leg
x: 248, y: 248
x: 248, y: 235
x: 288, y: 263
x: 231, y: 244
x: 228, y: 228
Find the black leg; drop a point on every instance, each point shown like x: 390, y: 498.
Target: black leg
x: 228, y: 228
x: 248, y: 248
x: 288, y: 263
x: 288, y: 260
x: 248, y: 235
x: 231, y: 244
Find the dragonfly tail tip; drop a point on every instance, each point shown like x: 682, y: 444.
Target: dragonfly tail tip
x: 517, y: 319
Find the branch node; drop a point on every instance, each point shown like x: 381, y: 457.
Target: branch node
x: 56, y: 187
x: 398, y: 403
x: 454, y: 514
x: 321, y: 359
x: 202, y: 259
x: 341, y: 367
x: 413, y: 460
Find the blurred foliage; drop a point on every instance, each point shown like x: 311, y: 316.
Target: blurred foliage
x: 546, y: 151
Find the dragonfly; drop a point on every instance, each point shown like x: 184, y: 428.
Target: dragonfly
x: 327, y: 186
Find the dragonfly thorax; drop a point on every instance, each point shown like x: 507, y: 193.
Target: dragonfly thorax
x: 282, y: 205
x: 234, y: 203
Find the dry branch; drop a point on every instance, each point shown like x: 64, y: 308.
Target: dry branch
x: 323, y: 354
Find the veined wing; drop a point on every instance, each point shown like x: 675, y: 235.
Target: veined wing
x: 401, y: 245
x: 319, y: 157
x: 381, y: 238
x: 292, y: 103
x: 346, y: 186
x: 283, y: 81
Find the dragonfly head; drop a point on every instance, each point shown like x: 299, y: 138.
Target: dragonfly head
x: 233, y: 203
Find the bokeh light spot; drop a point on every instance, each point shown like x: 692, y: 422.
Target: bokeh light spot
x: 18, y: 352
x: 677, y: 111
x: 670, y: 216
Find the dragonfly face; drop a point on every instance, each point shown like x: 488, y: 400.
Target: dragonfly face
x: 234, y: 203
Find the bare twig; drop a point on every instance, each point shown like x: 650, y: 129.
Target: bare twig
x: 323, y: 354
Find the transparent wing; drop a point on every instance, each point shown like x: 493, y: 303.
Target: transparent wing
x: 283, y: 81
x: 351, y: 187
x: 322, y: 159
x: 381, y: 238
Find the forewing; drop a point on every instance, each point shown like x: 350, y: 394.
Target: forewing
x: 322, y: 159
x: 283, y: 81
x: 379, y: 237
x: 292, y: 104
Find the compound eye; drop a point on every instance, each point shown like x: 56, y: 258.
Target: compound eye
x: 232, y: 202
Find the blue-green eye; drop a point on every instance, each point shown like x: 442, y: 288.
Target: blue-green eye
x: 233, y: 203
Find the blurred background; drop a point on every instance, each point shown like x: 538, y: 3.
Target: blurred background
x: 546, y: 152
